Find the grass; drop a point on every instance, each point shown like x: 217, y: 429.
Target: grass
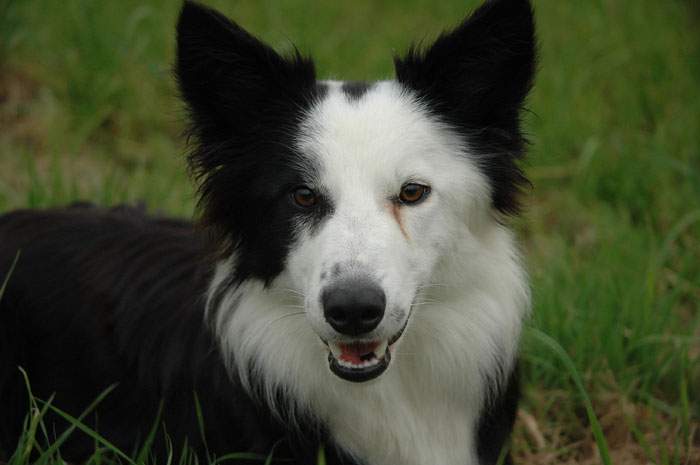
x: 611, y: 233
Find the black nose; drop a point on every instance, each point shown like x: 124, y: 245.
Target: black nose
x: 353, y: 307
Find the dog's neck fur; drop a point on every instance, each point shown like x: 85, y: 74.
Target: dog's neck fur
x: 463, y: 331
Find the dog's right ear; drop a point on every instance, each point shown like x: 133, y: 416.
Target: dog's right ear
x: 234, y: 85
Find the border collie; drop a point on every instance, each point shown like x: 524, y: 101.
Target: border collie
x: 353, y: 284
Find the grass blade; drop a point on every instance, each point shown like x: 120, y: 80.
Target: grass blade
x: 9, y: 273
x: 239, y: 456
x: 559, y: 351
x: 321, y: 459
x: 200, y: 424
x: 77, y: 423
x: 148, y: 443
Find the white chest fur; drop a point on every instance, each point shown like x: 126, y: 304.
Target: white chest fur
x: 424, y: 410
x: 405, y: 430
x: 461, y: 339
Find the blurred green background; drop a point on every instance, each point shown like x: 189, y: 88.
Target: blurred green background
x: 611, y: 231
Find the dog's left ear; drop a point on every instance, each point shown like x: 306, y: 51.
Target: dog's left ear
x: 481, y: 71
x: 475, y: 78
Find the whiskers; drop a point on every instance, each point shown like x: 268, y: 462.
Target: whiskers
x: 287, y: 294
x: 422, y: 287
x: 425, y: 302
x: 424, y: 297
x: 293, y: 292
x: 286, y: 315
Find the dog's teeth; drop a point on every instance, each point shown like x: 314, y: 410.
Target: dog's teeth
x: 380, y: 350
x: 363, y: 364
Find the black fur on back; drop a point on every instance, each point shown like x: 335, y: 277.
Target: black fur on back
x: 103, y: 297
x: 476, y: 78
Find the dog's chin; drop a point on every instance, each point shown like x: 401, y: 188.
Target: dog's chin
x: 360, y: 361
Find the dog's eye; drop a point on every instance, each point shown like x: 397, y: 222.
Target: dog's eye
x: 413, y: 193
x: 304, y: 197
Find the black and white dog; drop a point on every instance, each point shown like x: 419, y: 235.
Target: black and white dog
x: 364, y: 292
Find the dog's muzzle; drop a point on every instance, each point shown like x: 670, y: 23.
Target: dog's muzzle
x: 354, y: 308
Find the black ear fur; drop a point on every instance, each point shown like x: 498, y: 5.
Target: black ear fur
x: 245, y: 104
x: 230, y: 80
x: 476, y: 78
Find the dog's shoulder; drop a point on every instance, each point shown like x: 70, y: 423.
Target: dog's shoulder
x: 84, y: 232
x: 28, y: 223
x: 84, y: 257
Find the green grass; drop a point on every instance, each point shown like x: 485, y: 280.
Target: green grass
x: 39, y: 446
x: 88, y: 110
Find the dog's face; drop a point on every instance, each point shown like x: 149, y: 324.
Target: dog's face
x: 376, y: 215
x: 349, y: 195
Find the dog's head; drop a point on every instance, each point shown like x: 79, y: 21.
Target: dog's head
x: 347, y: 197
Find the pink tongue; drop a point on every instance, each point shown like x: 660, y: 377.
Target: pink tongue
x: 355, y: 351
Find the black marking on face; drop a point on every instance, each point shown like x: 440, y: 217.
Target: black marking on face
x: 355, y: 90
x: 246, y: 103
x: 314, y: 216
x: 321, y: 90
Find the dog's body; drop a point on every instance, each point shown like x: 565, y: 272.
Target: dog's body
x: 356, y: 227
x: 136, y: 318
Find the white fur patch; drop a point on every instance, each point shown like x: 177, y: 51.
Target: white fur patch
x: 453, y: 272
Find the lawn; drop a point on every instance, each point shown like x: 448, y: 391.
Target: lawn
x: 611, y: 229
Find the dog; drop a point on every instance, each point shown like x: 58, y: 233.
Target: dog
x: 351, y: 287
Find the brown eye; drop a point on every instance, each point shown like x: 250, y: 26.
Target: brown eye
x: 304, y: 197
x: 413, y: 193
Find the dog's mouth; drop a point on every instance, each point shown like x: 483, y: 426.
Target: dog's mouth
x: 360, y: 361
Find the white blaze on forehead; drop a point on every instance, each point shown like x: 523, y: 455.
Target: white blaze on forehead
x: 382, y: 140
